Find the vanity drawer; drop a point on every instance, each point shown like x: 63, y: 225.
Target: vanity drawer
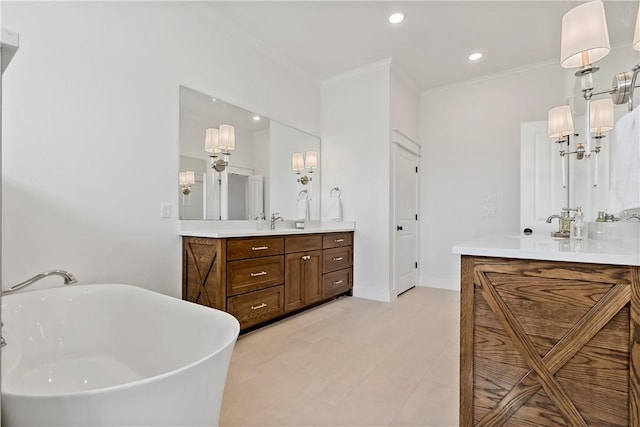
x: 334, y: 240
x: 257, y: 247
x: 256, y: 307
x: 336, y: 259
x: 309, y: 242
x: 253, y: 274
x: 336, y: 283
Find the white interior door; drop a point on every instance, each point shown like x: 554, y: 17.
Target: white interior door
x: 255, y: 196
x: 405, y: 174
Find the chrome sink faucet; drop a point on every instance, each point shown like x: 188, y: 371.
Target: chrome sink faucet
x: 68, y: 280
x: 275, y: 217
x: 564, y: 223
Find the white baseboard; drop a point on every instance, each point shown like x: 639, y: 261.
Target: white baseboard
x: 365, y: 292
x: 439, y: 282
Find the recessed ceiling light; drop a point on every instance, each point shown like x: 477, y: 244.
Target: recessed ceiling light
x: 396, y: 18
x: 256, y: 117
x: 475, y: 56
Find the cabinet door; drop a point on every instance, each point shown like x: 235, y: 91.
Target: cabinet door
x: 294, y: 281
x: 313, y: 277
x: 303, y: 279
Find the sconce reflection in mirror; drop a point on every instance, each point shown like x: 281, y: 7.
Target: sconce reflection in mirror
x: 300, y: 162
x: 186, y: 180
x: 220, y: 141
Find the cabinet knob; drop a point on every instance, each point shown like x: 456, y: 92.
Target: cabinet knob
x: 306, y: 257
x: 338, y: 282
x: 338, y: 258
x: 257, y: 307
x: 259, y: 248
x: 338, y: 240
x: 399, y: 228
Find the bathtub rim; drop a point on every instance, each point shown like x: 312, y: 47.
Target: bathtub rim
x: 154, y: 378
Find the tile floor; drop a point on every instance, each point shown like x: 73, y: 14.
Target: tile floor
x: 351, y: 362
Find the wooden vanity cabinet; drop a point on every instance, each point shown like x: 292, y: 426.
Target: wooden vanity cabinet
x: 549, y: 343
x: 258, y: 279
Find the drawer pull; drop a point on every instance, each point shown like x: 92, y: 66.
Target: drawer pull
x: 306, y: 257
x: 338, y: 240
x: 338, y: 282
x: 257, y: 307
x: 262, y: 273
x: 338, y: 258
x: 259, y: 248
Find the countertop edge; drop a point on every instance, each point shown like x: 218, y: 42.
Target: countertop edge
x: 548, y: 249
x: 252, y: 232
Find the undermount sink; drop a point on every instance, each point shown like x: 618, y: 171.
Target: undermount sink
x: 618, y: 230
x: 112, y: 355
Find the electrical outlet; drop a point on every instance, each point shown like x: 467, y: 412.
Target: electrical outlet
x: 489, y: 197
x: 165, y: 210
x: 489, y: 212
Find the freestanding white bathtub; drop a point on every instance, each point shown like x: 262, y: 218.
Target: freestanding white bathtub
x: 112, y: 355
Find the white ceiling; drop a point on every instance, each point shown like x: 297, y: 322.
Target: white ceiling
x: 322, y: 39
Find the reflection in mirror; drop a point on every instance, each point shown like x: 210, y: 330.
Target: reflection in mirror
x: 259, y: 177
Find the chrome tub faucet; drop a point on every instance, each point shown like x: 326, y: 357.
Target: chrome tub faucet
x: 68, y: 280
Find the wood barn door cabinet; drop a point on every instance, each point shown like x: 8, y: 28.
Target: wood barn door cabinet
x: 549, y: 343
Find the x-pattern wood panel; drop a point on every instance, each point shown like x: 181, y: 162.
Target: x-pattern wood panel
x: 202, y: 283
x: 602, y: 377
x: 542, y: 369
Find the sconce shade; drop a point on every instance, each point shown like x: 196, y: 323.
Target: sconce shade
x: 211, y: 140
x: 227, y: 138
x: 585, y: 38
x: 186, y: 178
x: 311, y: 160
x: 636, y: 36
x: 297, y: 162
x: 560, y: 122
x: 601, y: 115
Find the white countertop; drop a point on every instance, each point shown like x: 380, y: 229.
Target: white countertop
x: 618, y: 252
x: 224, y: 229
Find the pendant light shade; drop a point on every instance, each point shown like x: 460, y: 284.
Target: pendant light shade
x: 297, y: 162
x: 560, y: 123
x: 585, y: 38
x: 311, y: 160
x: 601, y: 115
x: 211, y: 140
x: 227, y: 138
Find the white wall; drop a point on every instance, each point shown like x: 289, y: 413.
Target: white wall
x: 405, y: 103
x: 284, y: 187
x: 471, y: 145
x: 90, y: 131
x: 355, y: 158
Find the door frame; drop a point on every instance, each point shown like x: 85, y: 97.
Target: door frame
x: 401, y: 140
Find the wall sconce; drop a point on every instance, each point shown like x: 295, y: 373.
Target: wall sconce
x: 560, y: 128
x: 186, y: 180
x: 220, y: 141
x: 585, y: 40
x: 300, y: 162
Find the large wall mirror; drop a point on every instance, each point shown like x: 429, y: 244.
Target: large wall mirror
x: 273, y: 168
